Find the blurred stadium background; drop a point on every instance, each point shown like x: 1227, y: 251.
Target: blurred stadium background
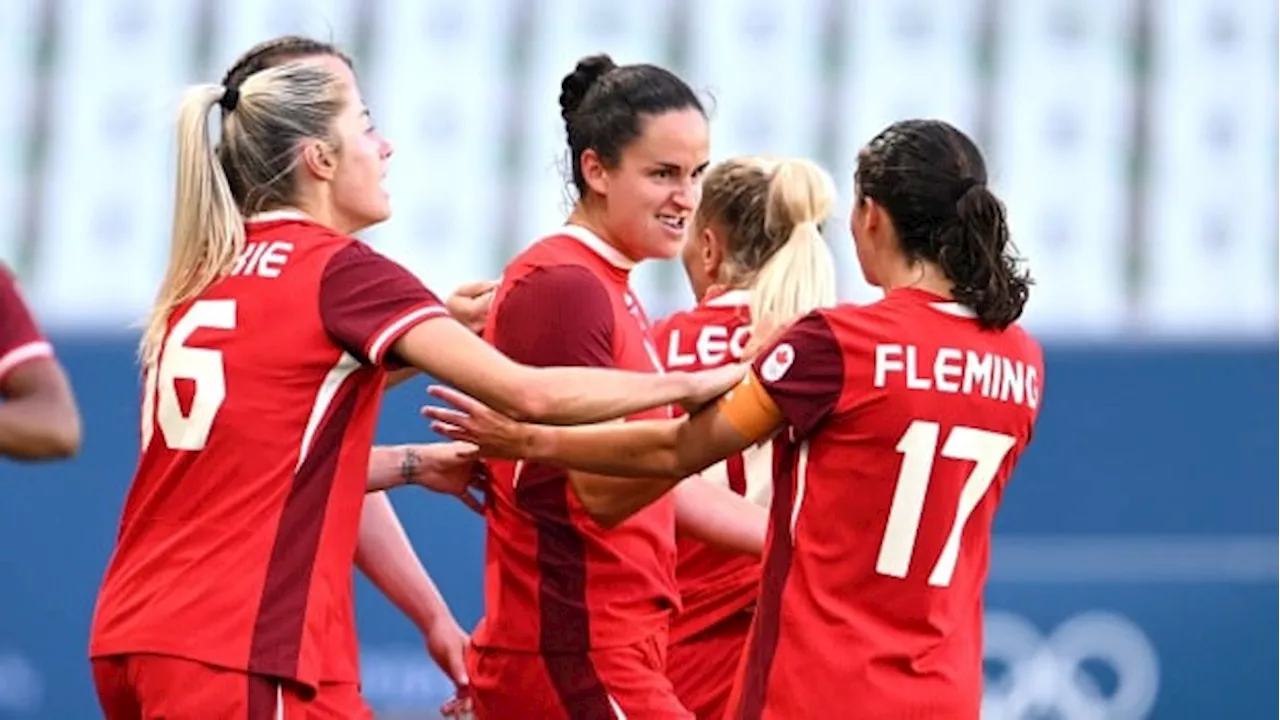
x: 1135, y: 142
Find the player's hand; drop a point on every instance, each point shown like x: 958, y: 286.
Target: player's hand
x: 458, y: 707
x: 470, y: 303
x: 452, y: 468
x: 447, y: 645
x: 471, y: 421
x: 711, y: 384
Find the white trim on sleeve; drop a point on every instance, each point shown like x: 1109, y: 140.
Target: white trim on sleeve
x: 24, y: 353
x: 382, y: 339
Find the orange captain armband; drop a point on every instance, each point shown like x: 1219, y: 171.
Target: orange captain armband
x: 749, y: 409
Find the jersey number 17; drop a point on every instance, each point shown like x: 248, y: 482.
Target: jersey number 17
x: 919, y: 448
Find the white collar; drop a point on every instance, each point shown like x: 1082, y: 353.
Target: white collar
x: 277, y: 215
x: 954, y: 308
x: 732, y: 298
x: 596, y: 244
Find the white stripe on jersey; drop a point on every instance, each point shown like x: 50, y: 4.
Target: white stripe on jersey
x: 802, y: 469
x: 328, y: 390
x: 757, y: 466
x: 23, y: 353
x: 383, y: 339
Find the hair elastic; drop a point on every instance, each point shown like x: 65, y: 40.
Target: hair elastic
x: 230, y: 97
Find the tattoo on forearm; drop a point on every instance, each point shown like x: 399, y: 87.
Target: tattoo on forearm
x: 409, y: 465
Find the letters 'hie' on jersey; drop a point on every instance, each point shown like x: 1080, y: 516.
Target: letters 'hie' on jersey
x: 906, y: 420
x: 20, y: 338
x: 237, y: 535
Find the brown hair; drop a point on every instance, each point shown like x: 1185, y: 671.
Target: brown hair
x: 932, y: 181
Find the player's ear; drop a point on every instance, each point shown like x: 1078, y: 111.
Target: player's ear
x: 594, y: 172
x: 712, y: 252
x: 319, y: 159
x: 872, y: 216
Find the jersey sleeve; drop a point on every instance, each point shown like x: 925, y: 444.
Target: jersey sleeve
x: 556, y: 316
x: 20, y: 338
x: 367, y: 302
x: 803, y: 373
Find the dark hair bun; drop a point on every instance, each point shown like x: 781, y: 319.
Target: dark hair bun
x: 574, y: 87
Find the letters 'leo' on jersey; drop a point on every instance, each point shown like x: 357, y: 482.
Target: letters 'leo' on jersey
x: 714, y: 584
x: 906, y: 419
x: 239, y: 530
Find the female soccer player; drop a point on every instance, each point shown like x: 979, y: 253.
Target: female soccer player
x: 229, y: 593
x: 383, y: 551
x: 577, y: 602
x: 38, y: 415
x: 899, y: 424
x: 755, y: 251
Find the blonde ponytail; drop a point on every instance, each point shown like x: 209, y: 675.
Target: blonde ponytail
x: 800, y: 275
x: 208, y: 230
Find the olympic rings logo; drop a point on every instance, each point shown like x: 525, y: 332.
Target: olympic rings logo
x: 1095, y: 666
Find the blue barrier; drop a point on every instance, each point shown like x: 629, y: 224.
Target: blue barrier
x: 1136, y: 545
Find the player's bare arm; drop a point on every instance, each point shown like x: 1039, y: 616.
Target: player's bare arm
x: 655, y: 454
x: 469, y: 305
x: 449, y: 468
x: 395, y: 377
x: 385, y: 555
x: 555, y: 395
x: 720, y: 517
x: 38, y: 416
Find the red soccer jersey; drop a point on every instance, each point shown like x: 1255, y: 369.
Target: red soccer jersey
x: 20, y: 338
x: 714, y: 584
x: 555, y: 581
x: 239, y: 531
x: 906, y: 420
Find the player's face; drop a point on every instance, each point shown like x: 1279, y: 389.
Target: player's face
x: 701, y: 257
x: 652, y: 193
x: 358, y: 195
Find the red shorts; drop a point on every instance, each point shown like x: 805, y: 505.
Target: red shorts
x: 625, y: 683
x: 134, y: 687
x: 703, y: 667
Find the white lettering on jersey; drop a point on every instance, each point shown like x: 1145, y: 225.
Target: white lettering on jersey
x: 960, y: 371
x: 713, y: 346
x: 263, y: 259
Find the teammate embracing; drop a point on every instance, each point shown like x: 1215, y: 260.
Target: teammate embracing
x: 756, y: 259
x: 899, y: 425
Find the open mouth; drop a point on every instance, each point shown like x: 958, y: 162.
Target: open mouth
x: 674, y: 223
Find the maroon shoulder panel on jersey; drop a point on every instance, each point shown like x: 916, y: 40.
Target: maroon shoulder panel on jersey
x: 368, y: 301
x: 556, y: 316
x: 804, y: 372
x: 20, y: 338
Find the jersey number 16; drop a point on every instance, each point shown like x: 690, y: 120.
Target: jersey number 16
x: 202, y: 366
